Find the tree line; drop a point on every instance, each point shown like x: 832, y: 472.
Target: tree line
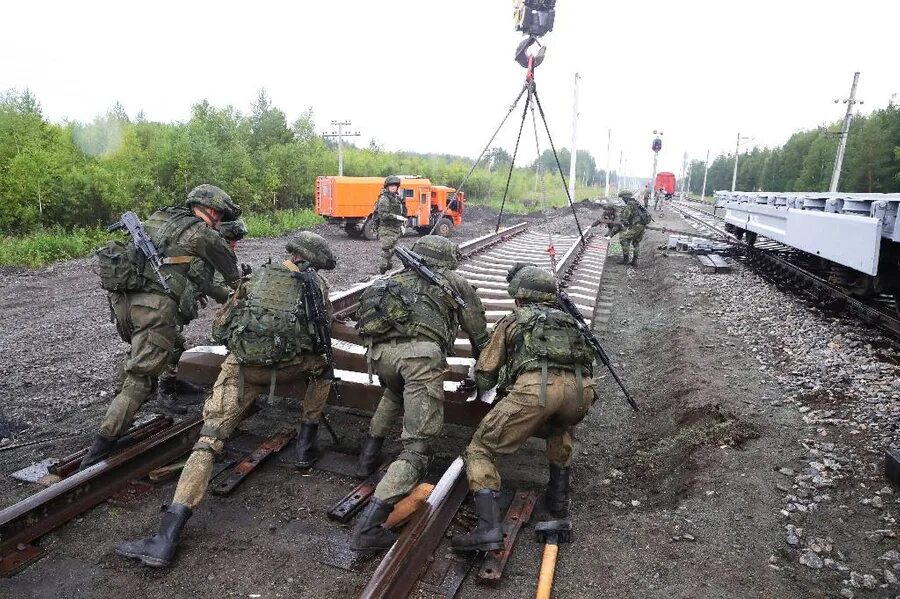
x: 77, y: 174
x: 806, y: 161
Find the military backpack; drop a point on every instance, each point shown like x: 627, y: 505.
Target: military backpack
x: 120, y: 267
x: 546, y: 338
x: 643, y: 216
x: 383, y: 307
x: 265, y: 320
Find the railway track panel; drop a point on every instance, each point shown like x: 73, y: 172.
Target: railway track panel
x: 579, y: 266
x: 798, y: 272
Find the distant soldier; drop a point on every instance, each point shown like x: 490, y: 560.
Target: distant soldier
x: 148, y: 317
x: 634, y: 218
x: 391, y: 213
x: 660, y: 196
x: 166, y: 392
x: 410, y: 326
x: 645, y: 196
x: 610, y: 219
x: 544, y: 369
x: 269, y: 337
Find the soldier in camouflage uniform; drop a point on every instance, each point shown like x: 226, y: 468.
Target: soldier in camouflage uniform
x: 610, y: 219
x: 260, y: 353
x: 149, y: 318
x: 409, y: 353
x: 546, y: 366
x: 166, y: 393
x: 633, y: 219
x: 391, y: 213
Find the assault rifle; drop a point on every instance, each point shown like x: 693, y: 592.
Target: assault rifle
x: 414, y: 262
x: 569, y: 307
x: 316, y: 315
x: 143, y: 243
x: 319, y: 326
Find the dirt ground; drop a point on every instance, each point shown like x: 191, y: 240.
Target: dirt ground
x: 695, y: 496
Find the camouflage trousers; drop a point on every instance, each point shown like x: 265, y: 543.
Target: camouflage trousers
x: 519, y: 415
x: 388, y: 236
x: 229, y: 405
x: 631, y: 238
x: 412, y: 374
x: 150, y: 323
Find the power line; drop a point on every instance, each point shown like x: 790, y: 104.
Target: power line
x: 340, y: 134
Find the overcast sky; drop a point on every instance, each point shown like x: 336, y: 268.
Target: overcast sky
x: 438, y: 76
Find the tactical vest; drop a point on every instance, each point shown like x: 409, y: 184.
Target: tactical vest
x: 265, y: 322
x: 165, y: 228
x: 397, y: 206
x: 407, y: 307
x: 545, y: 338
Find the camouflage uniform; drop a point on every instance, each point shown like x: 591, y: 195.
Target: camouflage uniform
x: 151, y: 319
x: 208, y: 287
x: 387, y: 209
x: 411, y: 364
x: 539, y: 393
x: 634, y: 231
x: 240, y: 381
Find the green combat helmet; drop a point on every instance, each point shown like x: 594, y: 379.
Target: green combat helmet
x: 314, y: 250
x: 438, y: 251
x: 533, y: 284
x: 392, y: 180
x: 233, y: 230
x: 516, y: 268
x: 626, y: 195
x: 213, y: 197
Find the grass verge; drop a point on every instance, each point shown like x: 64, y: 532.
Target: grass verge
x: 52, y: 244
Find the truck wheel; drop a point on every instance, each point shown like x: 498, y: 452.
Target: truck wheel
x: 353, y: 231
x: 444, y: 228
x: 369, y: 231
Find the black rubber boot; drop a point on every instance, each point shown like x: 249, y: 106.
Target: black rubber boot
x: 167, y: 397
x: 101, y: 448
x: 557, y: 497
x: 307, y: 445
x: 369, y: 456
x: 634, y: 261
x: 368, y: 532
x: 158, y: 550
x: 488, y: 535
x: 624, y: 259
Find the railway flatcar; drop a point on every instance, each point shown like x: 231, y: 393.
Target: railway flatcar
x: 857, y: 234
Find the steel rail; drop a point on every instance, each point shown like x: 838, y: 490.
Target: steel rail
x: 48, y: 509
x: 869, y: 314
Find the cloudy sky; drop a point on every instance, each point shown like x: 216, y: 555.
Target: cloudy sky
x: 438, y: 76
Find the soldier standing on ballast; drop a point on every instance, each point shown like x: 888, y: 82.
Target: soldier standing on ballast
x: 547, y: 368
x: 391, y: 213
x: 148, y: 317
x: 634, y: 218
x: 269, y: 338
x: 410, y: 326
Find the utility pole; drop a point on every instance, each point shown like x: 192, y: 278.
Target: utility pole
x: 340, y: 134
x: 618, y: 175
x: 684, y: 175
x: 737, y: 148
x: 625, y: 170
x: 845, y: 130
x: 608, y: 142
x: 705, y: 172
x: 574, y: 140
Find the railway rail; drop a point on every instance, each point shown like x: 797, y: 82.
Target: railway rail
x: 800, y: 270
x: 579, y: 267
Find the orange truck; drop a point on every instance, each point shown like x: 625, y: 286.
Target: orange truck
x: 349, y: 202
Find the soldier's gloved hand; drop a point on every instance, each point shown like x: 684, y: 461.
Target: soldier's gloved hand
x: 246, y: 270
x: 468, y: 386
